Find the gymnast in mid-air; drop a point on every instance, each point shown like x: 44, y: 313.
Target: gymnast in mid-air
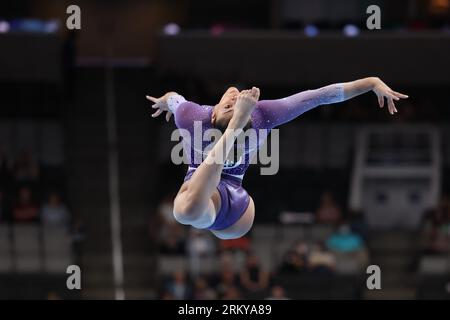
x: 211, y: 196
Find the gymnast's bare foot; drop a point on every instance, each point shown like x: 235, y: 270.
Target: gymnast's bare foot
x: 244, y: 107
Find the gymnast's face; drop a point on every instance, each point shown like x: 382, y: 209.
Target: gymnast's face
x: 223, y: 111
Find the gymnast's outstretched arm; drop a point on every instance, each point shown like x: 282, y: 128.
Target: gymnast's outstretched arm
x: 280, y: 111
x: 162, y: 104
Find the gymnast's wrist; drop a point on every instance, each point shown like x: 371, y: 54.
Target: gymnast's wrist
x: 372, y: 82
x: 168, y: 94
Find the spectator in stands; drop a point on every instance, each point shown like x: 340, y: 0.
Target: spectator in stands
x: 173, y: 240
x: 346, y: 244
x: 345, y: 240
x: 25, y: 209
x: 302, y: 249
x: 253, y: 278
x: 329, y: 211
x: 165, y: 209
x: 232, y: 293
x: 55, y: 213
x: 320, y: 259
x: 200, y: 244
x: 293, y: 263
x: 437, y: 228
x: 172, y: 235
x: 26, y: 169
x: 202, y: 291
x: 277, y: 293
x: 78, y: 236
x: 178, y: 286
x: 227, y: 260
x: 226, y: 279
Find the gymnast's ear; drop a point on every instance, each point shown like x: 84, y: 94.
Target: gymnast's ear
x: 213, y: 117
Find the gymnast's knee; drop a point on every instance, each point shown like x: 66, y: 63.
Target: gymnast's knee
x: 187, y: 211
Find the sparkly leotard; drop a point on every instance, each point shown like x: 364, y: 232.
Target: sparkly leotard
x: 195, y: 119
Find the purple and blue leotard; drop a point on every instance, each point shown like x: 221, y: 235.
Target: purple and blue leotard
x: 267, y: 115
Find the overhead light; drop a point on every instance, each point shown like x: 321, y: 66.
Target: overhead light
x: 311, y: 30
x: 217, y: 29
x: 4, y: 26
x: 350, y: 30
x: 51, y: 26
x: 171, y: 29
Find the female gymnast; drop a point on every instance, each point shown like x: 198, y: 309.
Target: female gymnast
x: 212, y: 196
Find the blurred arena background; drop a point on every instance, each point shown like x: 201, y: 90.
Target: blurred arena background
x: 86, y: 176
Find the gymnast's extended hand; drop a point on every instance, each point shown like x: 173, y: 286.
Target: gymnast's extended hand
x: 355, y: 88
x: 161, y: 105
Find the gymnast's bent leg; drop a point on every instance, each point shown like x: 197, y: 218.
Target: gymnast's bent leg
x: 198, y: 200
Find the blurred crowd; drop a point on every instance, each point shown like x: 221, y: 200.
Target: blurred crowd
x: 252, y: 280
x: 25, y: 198
x: 436, y: 228
x: 304, y: 257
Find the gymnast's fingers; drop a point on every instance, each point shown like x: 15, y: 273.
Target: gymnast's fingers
x: 400, y: 95
x: 157, y: 113
x: 153, y: 99
x: 391, y: 105
x: 380, y: 101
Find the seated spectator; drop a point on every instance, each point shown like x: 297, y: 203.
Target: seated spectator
x: 200, y: 243
x: 437, y: 228
x: 54, y: 212
x: 178, y: 286
x: 226, y: 279
x: 171, y: 235
x: 165, y: 210
x: 321, y: 260
x: 253, y: 277
x: 328, y: 212
x: 202, y: 291
x: 293, y: 263
x: 26, y: 169
x: 173, y: 240
x: 25, y: 210
x: 78, y: 233
x: 277, y: 293
x: 302, y: 249
x: 345, y: 240
x: 232, y: 293
x: 162, y: 218
x: 347, y: 244
x: 227, y: 260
